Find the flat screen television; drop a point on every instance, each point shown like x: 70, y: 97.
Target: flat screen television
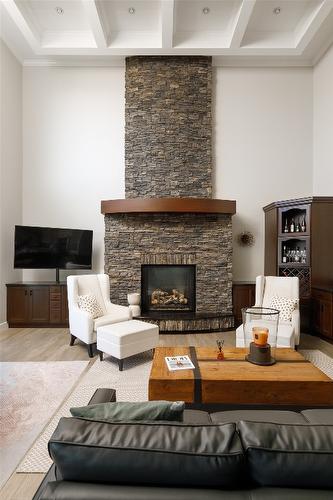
x: 52, y: 248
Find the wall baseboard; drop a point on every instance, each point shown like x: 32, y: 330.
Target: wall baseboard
x: 4, y: 325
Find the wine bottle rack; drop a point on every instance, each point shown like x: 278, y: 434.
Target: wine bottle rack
x: 304, y: 276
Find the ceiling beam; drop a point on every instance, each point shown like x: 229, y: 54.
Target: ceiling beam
x: 26, y: 28
x: 312, y: 25
x: 96, y: 23
x: 241, y: 22
x: 167, y: 21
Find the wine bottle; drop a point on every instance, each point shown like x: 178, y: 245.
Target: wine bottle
x: 292, y: 226
x: 286, y: 228
x: 297, y: 255
x: 284, y: 255
x: 304, y: 256
x: 298, y: 227
x: 303, y: 226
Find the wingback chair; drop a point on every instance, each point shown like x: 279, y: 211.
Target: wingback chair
x: 288, y: 334
x: 81, y: 324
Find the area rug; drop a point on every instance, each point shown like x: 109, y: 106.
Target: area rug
x: 30, y: 393
x: 131, y: 385
x: 320, y: 360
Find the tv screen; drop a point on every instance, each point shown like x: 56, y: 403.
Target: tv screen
x: 51, y: 248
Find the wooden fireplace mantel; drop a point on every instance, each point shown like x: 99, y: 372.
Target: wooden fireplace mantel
x: 171, y: 205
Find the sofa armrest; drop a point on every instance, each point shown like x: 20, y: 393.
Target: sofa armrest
x: 116, y: 309
x: 103, y: 396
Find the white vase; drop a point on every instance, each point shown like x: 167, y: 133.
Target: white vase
x: 136, y: 310
x: 134, y: 299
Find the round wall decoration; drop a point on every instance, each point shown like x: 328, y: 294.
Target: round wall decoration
x: 245, y: 239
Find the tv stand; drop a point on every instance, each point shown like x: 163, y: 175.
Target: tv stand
x: 37, y: 304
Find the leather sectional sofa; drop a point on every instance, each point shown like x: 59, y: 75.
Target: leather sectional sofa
x: 229, y: 455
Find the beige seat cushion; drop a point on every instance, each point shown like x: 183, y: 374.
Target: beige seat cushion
x: 126, y: 332
x: 109, y: 319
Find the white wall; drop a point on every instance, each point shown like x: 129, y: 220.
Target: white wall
x: 73, y: 143
x: 263, y: 139
x: 11, y: 168
x: 323, y: 126
x: 74, y: 148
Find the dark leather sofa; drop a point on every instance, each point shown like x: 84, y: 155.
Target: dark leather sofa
x: 229, y: 455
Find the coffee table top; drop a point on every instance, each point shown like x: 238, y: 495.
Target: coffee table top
x: 291, y: 381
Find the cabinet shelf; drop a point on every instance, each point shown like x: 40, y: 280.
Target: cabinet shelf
x: 293, y: 264
x: 299, y: 234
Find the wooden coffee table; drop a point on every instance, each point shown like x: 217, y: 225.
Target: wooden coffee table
x: 291, y: 382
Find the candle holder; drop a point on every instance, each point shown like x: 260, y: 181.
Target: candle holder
x: 260, y: 325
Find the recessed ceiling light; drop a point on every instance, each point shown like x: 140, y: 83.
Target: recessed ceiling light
x: 277, y: 10
x: 59, y: 10
x: 131, y: 10
x: 205, y: 10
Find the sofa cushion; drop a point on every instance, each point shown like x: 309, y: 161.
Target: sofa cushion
x: 131, y: 411
x: 288, y: 455
x: 89, y: 304
x: 276, y: 416
x: 319, y: 416
x: 289, y: 494
x: 89, y: 284
x: 197, y: 417
x: 65, y: 490
x: 285, y: 305
x: 148, y: 453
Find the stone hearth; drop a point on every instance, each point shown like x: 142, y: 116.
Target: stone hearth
x: 168, y: 155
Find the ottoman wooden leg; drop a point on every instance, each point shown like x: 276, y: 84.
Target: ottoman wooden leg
x: 120, y: 364
x: 101, y: 355
x: 73, y: 338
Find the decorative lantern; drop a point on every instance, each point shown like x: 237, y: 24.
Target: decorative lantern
x: 260, y: 325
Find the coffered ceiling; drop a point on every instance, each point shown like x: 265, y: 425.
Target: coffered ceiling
x: 235, y: 32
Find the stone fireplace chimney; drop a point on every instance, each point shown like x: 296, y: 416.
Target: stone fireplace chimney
x: 169, y: 239
x: 168, y: 134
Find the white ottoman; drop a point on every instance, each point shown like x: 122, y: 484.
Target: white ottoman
x: 125, y: 339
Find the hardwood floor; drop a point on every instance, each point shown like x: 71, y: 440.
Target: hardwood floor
x: 52, y: 344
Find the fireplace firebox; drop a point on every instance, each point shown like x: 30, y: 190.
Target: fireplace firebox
x: 168, y: 288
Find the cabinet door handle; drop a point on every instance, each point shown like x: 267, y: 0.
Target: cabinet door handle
x: 30, y: 292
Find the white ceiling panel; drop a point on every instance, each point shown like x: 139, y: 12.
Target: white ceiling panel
x: 146, y: 15
x: 44, y: 15
x: 204, y: 23
x: 291, y: 13
x: 276, y: 22
x: 190, y: 15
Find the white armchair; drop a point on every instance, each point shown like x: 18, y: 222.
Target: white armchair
x: 81, y: 324
x: 288, y: 334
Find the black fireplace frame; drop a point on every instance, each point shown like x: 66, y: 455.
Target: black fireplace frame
x: 144, y: 302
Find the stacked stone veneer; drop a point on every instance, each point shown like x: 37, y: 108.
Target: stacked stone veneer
x: 204, y: 240
x: 168, y: 153
x: 168, y: 131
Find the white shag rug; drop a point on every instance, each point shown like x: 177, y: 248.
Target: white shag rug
x: 30, y: 393
x: 131, y: 385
